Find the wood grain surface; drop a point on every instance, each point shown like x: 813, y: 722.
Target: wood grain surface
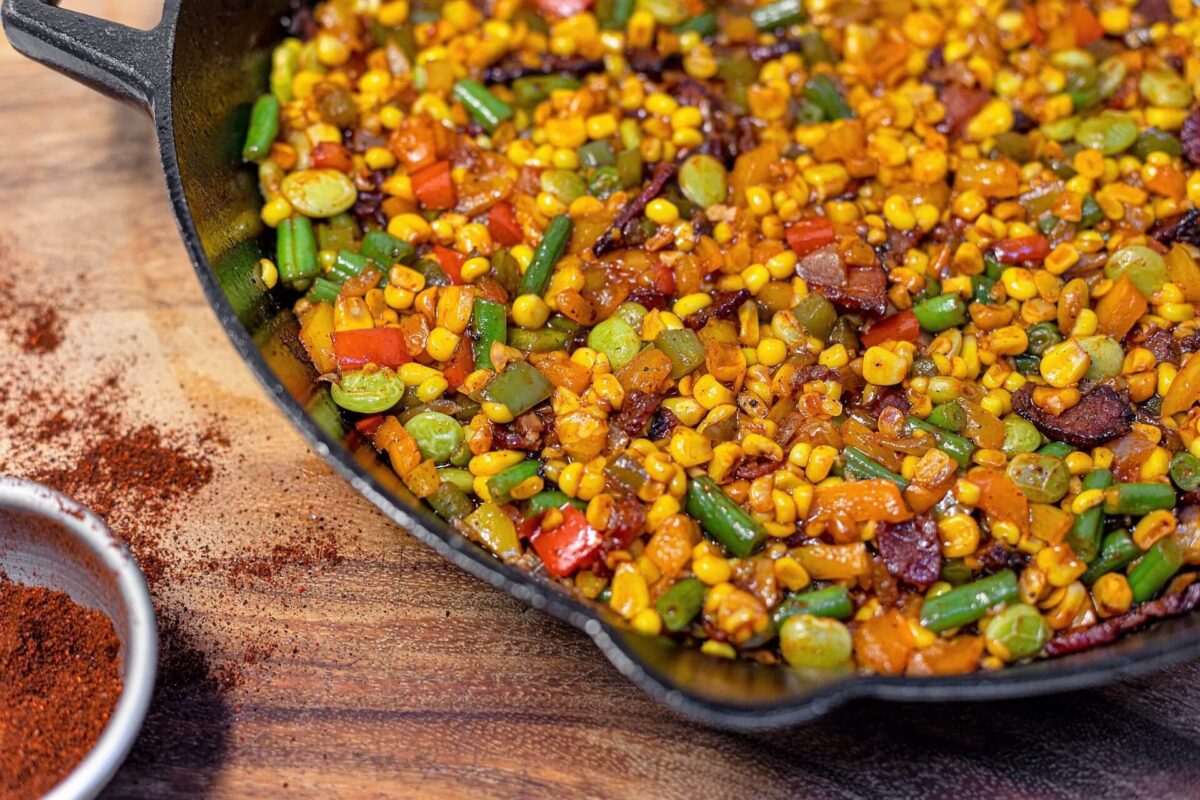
x: 391, y: 673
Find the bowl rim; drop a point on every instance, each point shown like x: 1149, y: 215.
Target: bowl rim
x: 92, y: 774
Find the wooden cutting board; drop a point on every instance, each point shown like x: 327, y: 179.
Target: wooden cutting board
x: 386, y: 672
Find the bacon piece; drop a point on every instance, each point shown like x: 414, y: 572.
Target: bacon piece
x: 911, y: 550
x: 636, y: 412
x: 1077, y: 640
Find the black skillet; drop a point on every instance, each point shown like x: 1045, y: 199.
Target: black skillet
x: 197, y: 73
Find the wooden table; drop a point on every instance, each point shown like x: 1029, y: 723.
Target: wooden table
x: 392, y: 673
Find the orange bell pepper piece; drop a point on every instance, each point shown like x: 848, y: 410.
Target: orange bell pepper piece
x: 1000, y: 498
x: 948, y: 657
x: 1185, y: 389
x: 834, y: 562
x: 863, y: 501
x: 1118, y: 310
x: 884, y: 643
x: 1050, y: 523
x: 1183, y: 272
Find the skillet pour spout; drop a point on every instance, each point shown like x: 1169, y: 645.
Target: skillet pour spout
x: 197, y: 74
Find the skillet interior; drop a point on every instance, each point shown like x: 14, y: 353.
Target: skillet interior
x: 219, y: 66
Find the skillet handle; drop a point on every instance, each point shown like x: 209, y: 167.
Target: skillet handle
x: 122, y: 62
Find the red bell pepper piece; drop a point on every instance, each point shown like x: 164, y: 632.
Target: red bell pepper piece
x: 570, y: 547
x: 460, y: 365
x: 451, y: 262
x: 433, y: 187
x: 898, y: 327
x: 1087, y: 27
x: 382, y: 346
x: 503, y: 225
x: 368, y: 426
x: 331, y: 155
x: 809, y: 235
x: 1022, y: 250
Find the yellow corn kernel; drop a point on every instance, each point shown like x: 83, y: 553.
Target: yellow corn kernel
x: 899, y: 213
x: 630, y: 594
x: 1019, y: 283
x: 791, y: 573
x: 883, y: 367
x: 690, y: 449
x: 966, y: 492
x: 441, y: 343
x: 498, y: 412
x: 712, y: 570
x: 431, y: 389
x: 712, y: 647
x: 1064, y: 364
x: 1152, y: 527
x: 662, y: 211
x: 275, y: 211
x: 959, y: 534
x: 411, y: 228
x: 566, y: 132
x: 771, y: 352
x: 648, y: 622
x: 530, y: 312
x: 1111, y: 593
x: 690, y: 304
x: 1059, y: 563
x: 1079, y: 463
x: 1156, y: 465
x: 495, y: 462
x: 710, y: 393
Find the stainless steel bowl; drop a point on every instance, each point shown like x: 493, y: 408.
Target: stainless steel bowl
x: 49, y: 540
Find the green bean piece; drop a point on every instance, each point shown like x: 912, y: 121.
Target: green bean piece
x: 284, y: 61
x: 1019, y: 631
x: 501, y: 486
x: 816, y: 314
x: 339, y: 232
x: 1116, y: 551
x: 1056, y: 449
x: 981, y: 289
x: 863, y: 466
x: 450, y: 502
x: 604, y: 182
x: 489, y: 324
x: 505, y: 269
x: 368, y: 392
x: 296, y: 253
x: 597, y: 154
x: 969, y: 602
x: 549, y: 250
x: 622, y: 10
x: 810, y: 642
x: 1084, y: 536
x: 548, y: 499
x: 956, y: 571
x: 461, y: 478
x: 438, y: 435
x: 1042, y: 337
x: 1150, y: 574
x: 779, y: 14
x: 529, y: 91
x: 630, y: 167
x: 1185, y: 471
x: 1137, y: 499
x: 815, y: 49
x: 833, y: 601
x: 1092, y: 213
x: 348, y: 265
x: 564, y: 184
x: 386, y: 250
x: 264, y: 127
x: 951, y: 444
x: 722, y: 518
x: 1042, y: 478
x: 949, y: 416
x: 1020, y: 436
x: 680, y: 604
x: 824, y: 93
x: 684, y: 348
x: 704, y: 24
x: 1027, y: 365
x: 1047, y: 224
x: 433, y: 272
x: 539, y: 341
x: 1151, y: 141
x: 617, y: 339
x: 940, y: 313
x: 324, y: 290
x: 520, y: 387
x: 483, y: 106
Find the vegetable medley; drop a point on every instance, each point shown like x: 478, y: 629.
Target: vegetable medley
x: 854, y: 334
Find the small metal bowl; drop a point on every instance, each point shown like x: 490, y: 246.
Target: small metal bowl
x: 49, y: 540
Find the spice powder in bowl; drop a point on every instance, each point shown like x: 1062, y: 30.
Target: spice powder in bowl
x: 59, y: 683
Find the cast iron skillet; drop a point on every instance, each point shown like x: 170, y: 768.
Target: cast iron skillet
x: 197, y: 73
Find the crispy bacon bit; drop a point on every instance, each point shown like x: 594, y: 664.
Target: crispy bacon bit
x: 996, y: 557
x: 911, y: 550
x: 724, y: 306
x: 626, y: 520
x: 1184, y: 228
x: 650, y: 298
x: 888, y: 397
x: 523, y: 433
x: 770, y: 52
x: 663, y: 423
x: 961, y: 104
x: 753, y: 468
x: 865, y: 290
x: 612, y: 238
x: 1164, y: 346
x: 1079, y: 639
x: 1101, y: 415
x: 636, y: 412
